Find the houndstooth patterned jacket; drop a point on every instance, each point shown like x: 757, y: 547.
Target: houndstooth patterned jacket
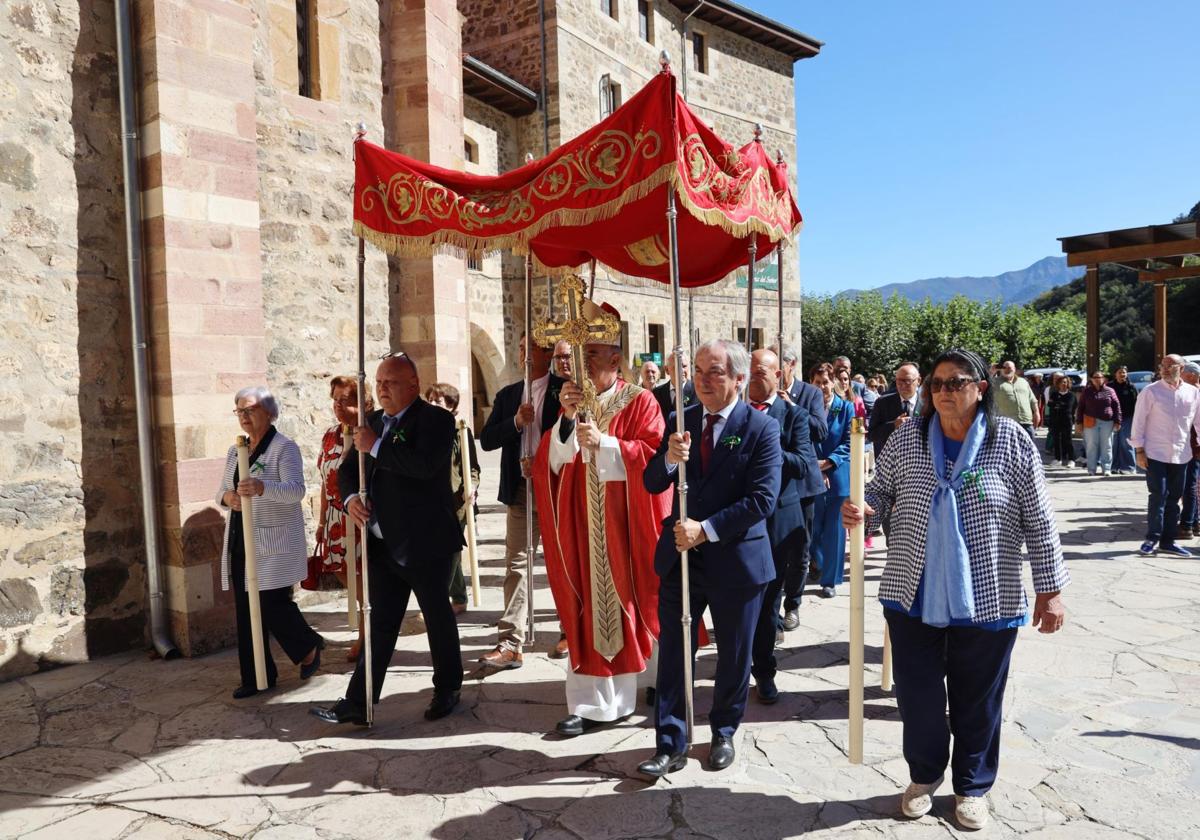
x: 1005, y: 507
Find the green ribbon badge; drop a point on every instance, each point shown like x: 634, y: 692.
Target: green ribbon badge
x: 730, y: 441
x: 398, y: 436
x: 256, y: 468
x: 974, y: 478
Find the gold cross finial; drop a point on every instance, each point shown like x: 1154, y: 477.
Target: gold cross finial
x: 579, y: 329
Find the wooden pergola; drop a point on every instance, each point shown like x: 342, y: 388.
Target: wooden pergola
x: 1159, y: 253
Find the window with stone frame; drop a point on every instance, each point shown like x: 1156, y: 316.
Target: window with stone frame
x: 306, y: 52
x: 699, y: 52
x: 656, y: 338
x: 610, y: 8
x: 646, y: 21
x: 474, y: 262
x: 756, y: 334
x: 470, y: 150
x: 610, y: 95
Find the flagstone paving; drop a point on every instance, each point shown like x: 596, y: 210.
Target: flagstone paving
x: 1101, y: 738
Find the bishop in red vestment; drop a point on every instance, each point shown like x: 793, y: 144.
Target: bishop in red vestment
x: 600, y: 527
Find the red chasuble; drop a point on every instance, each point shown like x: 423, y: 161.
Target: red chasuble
x: 599, y: 540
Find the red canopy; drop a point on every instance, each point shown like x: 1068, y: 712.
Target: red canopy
x: 601, y: 196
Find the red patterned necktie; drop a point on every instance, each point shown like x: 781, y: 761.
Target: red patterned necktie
x: 706, y: 442
x: 760, y: 406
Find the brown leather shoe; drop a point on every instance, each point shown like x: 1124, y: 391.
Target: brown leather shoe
x: 502, y: 659
x: 560, y: 650
x: 459, y: 609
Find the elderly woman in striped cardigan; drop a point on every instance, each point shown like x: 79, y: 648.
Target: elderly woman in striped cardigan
x: 966, y: 491
x: 276, y: 482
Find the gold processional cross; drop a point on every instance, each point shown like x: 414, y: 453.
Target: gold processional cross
x: 580, y: 329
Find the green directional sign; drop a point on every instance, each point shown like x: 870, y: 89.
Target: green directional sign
x: 766, y: 275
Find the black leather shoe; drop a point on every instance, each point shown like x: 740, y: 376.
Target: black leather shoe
x: 244, y: 691
x: 651, y: 696
x: 766, y: 690
x: 343, y: 711
x: 720, y: 755
x: 442, y: 704
x: 791, y: 619
x: 661, y: 764
x: 308, y: 670
x: 573, y: 725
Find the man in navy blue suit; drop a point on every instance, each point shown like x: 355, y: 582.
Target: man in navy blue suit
x: 732, y: 488
x: 809, y: 397
x: 786, y: 529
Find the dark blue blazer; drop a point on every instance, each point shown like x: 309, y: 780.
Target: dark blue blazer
x: 736, y: 496
x: 801, y: 475
x: 836, y: 447
x: 501, y: 432
x: 809, y: 397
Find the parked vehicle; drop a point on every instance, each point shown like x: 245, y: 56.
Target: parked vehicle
x: 1141, y: 378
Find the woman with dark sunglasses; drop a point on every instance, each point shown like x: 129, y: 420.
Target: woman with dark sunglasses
x: 968, y: 501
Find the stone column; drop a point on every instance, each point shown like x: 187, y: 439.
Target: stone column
x: 424, y: 115
x: 204, y: 279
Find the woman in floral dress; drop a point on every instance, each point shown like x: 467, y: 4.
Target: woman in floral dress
x: 330, y: 555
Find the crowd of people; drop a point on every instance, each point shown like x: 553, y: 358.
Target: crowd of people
x: 958, y: 490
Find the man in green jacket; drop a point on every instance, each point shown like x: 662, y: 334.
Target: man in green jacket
x: 1014, y: 398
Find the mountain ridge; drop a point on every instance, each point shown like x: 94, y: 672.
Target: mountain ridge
x: 1012, y: 288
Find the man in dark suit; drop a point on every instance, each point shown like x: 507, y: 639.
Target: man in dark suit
x: 809, y: 397
x: 894, y: 409
x: 518, y: 419
x: 664, y: 392
x: 410, y: 517
x: 785, y: 527
x: 732, y: 488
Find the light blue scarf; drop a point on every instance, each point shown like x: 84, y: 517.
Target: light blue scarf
x: 948, y: 592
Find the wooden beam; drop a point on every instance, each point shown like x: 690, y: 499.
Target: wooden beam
x: 1135, y: 252
x: 1169, y: 274
x: 1160, y: 322
x: 1092, y: 286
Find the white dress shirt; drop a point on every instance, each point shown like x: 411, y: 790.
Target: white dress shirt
x: 718, y: 424
x: 532, y: 434
x: 389, y: 421
x: 1162, y: 420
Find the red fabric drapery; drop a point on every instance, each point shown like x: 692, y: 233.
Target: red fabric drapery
x: 601, y: 196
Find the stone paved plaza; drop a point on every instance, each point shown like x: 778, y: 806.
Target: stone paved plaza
x: 1101, y: 740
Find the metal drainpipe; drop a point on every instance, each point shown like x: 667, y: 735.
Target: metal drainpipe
x: 126, y: 76
x: 683, y: 66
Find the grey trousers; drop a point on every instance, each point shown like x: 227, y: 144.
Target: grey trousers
x: 514, y: 621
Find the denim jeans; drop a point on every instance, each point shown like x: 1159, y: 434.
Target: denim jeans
x: 1165, y: 483
x: 1123, y: 459
x: 1097, y: 443
x: 1188, y: 517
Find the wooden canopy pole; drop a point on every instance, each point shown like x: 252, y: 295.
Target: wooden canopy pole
x: 1160, y: 321
x: 1091, y: 285
x: 368, y: 661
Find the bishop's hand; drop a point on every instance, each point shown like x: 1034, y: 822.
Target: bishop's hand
x: 570, y: 398
x: 588, y: 436
x: 678, y: 446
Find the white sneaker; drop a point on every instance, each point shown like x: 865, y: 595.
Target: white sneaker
x: 917, y: 799
x: 1070, y: 465
x: 971, y: 812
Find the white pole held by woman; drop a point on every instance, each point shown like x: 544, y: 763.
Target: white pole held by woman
x: 256, y: 631
x: 351, y: 549
x: 464, y: 446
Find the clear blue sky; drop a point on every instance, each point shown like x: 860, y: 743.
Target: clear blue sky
x: 956, y: 138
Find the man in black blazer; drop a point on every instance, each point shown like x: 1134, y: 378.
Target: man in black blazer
x: 809, y: 397
x: 515, y: 416
x: 411, y: 520
x: 733, y: 486
x: 894, y: 409
x: 786, y: 528
x: 664, y: 392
